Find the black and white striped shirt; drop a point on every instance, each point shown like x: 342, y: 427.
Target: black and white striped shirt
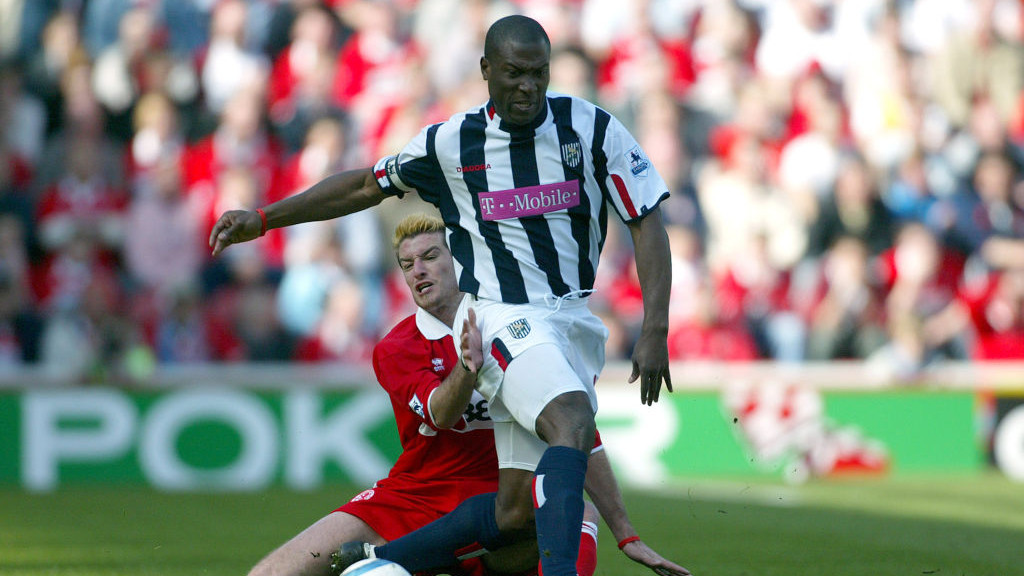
x: 526, y: 207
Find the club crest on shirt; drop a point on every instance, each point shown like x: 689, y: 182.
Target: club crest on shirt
x: 519, y: 329
x: 416, y: 406
x: 638, y: 163
x: 438, y: 364
x: 572, y: 154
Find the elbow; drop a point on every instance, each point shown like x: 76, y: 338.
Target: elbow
x: 445, y: 423
x: 446, y: 419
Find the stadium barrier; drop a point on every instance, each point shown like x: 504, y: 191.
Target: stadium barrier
x: 247, y: 427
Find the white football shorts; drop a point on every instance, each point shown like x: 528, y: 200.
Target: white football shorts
x: 552, y: 349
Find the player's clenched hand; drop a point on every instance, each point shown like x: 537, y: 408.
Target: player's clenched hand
x: 642, y: 553
x: 650, y: 365
x: 233, y: 227
x: 472, y: 343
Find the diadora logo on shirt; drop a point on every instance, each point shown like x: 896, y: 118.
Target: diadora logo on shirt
x: 473, y: 168
x: 438, y: 364
x: 416, y: 406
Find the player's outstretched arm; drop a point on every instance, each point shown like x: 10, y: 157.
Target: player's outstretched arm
x: 448, y: 402
x: 603, y: 490
x: 654, y: 269
x: 337, y: 195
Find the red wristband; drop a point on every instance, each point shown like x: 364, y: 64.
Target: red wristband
x: 263, y: 221
x: 624, y: 541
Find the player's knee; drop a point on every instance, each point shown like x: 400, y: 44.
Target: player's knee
x: 514, y: 515
x: 568, y: 420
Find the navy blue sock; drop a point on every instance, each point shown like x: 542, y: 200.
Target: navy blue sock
x: 558, y: 500
x: 441, y: 542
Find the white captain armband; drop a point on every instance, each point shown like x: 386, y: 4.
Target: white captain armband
x: 386, y: 173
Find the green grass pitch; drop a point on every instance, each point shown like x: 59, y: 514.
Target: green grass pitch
x: 950, y: 526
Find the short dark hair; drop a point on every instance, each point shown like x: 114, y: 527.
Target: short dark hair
x: 513, y: 28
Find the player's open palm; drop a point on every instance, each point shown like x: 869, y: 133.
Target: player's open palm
x: 472, y: 343
x: 640, y: 552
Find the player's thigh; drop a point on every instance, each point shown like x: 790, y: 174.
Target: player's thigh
x: 535, y: 378
x: 309, y: 552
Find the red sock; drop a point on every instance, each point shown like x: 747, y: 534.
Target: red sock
x: 586, y: 562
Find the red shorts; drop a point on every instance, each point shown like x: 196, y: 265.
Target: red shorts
x: 395, y: 507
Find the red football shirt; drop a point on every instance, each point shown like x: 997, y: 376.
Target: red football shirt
x: 438, y: 469
x: 410, y: 363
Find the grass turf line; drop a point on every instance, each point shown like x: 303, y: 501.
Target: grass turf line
x: 970, y: 526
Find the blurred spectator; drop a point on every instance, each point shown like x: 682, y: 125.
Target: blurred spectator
x: 258, y: 326
x: 988, y: 219
x: 228, y: 64
x: 878, y: 89
x: 854, y: 209
x: 186, y: 24
x: 316, y: 254
x: 94, y: 341
x: 45, y: 67
x: 572, y: 73
x: 21, y: 23
x: 117, y: 75
x: 809, y: 162
x: 451, y: 35
x: 701, y: 326
x: 638, y: 59
x: 847, y: 318
x: 23, y: 117
x: 101, y: 23
x: 281, y: 22
x: 926, y: 315
x: 980, y: 61
x: 799, y: 35
x: 764, y: 294
x: 795, y: 137
x: 157, y: 138
x: 367, y: 73
x: 741, y: 204
x: 20, y: 324
x: 83, y: 200
x: 182, y: 330
x: 997, y: 312
x: 908, y: 195
x: 241, y: 143
x: 314, y: 262
x: 339, y: 335
x: 82, y: 125
x: 301, y: 86
x: 166, y: 248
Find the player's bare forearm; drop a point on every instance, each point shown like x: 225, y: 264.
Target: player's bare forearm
x: 337, y: 195
x: 604, y: 492
x: 654, y: 270
x: 449, y: 400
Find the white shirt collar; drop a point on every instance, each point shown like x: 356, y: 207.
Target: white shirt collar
x: 430, y: 326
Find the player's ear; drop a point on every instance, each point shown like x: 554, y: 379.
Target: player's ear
x: 485, y: 67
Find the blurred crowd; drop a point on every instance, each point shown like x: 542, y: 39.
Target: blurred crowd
x: 846, y: 175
